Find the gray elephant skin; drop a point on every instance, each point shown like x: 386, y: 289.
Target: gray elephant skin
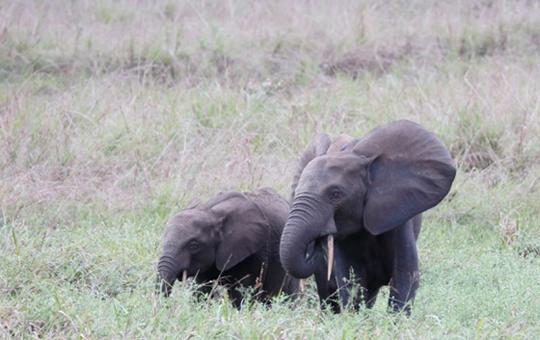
x: 356, y: 212
x: 234, y: 239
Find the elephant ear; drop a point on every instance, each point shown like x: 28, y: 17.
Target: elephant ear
x: 317, y: 147
x: 410, y: 171
x: 194, y: 203
x: 244, y: 229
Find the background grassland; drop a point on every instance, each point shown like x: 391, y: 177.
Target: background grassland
x: 113, y: 115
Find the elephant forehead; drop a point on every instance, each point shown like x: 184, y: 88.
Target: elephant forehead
x: 332, y: 165
x: 191, y: 220
x: 339, y: 143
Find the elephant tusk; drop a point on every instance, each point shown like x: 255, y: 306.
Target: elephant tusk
x: 330, y: 256
x: 184, y: 276
x: 302, y: 284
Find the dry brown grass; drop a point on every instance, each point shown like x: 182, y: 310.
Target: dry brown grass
x: 115, y: 114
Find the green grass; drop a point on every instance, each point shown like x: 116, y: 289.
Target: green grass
x: 114, y: 115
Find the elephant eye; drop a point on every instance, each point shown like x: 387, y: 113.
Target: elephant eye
x: 335, y: 194
x: 194, y: 246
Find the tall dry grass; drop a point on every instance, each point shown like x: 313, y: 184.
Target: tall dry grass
x: 115, y: 114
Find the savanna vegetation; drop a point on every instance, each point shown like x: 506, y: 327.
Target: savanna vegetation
x: 115, y: 114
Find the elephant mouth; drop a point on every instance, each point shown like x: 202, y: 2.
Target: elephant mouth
x: 183, y: 277
x: 188, y: 274
x: 325, y: 245
x: 165, y: 285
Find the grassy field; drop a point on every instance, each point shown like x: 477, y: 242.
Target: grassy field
x: 113, y: 115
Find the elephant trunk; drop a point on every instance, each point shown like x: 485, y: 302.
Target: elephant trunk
x: 168, y: 272
x: 309, y: 219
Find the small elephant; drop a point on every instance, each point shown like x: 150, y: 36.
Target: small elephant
x: 367, y: 194
x: 233, y: 240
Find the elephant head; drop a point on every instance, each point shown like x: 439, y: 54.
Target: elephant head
x: 375, y: 183
x: 217, y: 235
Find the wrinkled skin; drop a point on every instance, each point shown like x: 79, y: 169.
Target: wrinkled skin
x: 234, y: 239
x: 368, y: 195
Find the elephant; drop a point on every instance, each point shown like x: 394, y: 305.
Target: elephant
x: 355, y: 213
x: 233, y: 240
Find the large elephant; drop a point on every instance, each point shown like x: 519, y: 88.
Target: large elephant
x: 367, y: 194
x: 234, y: 239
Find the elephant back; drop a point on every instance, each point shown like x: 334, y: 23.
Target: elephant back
x: 273, y: 206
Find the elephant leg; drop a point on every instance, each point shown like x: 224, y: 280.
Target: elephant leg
x: 336, y: 291
x: 326, y: 289
x: 204, y: 289
x: 235, y: 297
x: 405, y: 275
x: 206, y: 284
x: 362, y: 295
x: 402, y: 291
x: 370, y: 297
x: 238, y: 288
